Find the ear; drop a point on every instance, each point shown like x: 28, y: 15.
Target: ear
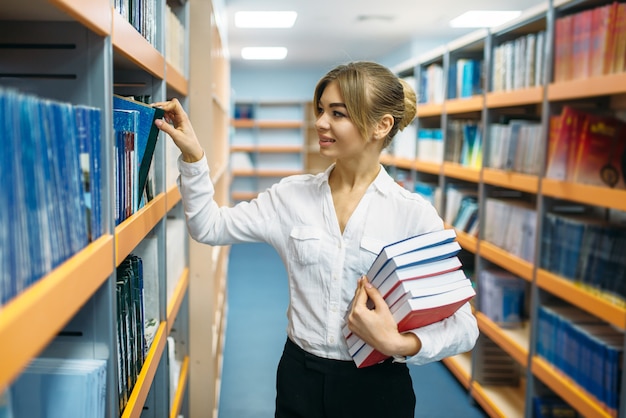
x: 383, y: 127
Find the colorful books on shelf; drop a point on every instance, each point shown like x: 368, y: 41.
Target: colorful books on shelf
x: 587, y: 148
x: 419, y: 292
x: 515, y: 146
x: 518, y: 63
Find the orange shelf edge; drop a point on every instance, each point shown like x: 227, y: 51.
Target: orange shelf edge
x: 172, y: 198
x: 137, y: 399
x: 176, y: 80
x: 134, y: 47
x: 583, y: 298
x: 462, y: 375
x: 461, y: 172
x: 95, y: 14
x: 130, y: 232
x: 31, y: 320
x: 489, y: 328
x: 181, y: 389
x: 514, y: 264
x: 567, y: 390
x: 584, y: 193
x: 510, y: 180
x: 479, y: 394
x: 533, y: 95
x: 177, y: 298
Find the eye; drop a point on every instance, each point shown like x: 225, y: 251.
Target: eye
x: 338, y: 114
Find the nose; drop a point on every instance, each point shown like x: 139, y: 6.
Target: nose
x: 321, y: 123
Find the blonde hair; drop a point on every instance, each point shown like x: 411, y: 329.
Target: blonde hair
x: 371, y: 91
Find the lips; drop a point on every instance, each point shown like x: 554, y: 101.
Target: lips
x: 326, y: 140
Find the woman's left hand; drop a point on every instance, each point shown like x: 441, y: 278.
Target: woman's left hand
x: 377, y: 326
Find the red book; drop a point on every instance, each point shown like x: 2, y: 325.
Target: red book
x: 563, y: 48
x: 563, y: 141
x: 619, y: 54
x: 581, y: 36
x: 415, y: 313
x: 601, y: 147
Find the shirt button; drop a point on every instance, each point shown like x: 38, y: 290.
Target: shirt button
x: 332, y: 340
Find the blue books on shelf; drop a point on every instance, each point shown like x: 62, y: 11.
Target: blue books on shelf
x: 147, y: 134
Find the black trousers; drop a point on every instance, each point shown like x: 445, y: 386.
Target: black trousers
x: 308, y: 386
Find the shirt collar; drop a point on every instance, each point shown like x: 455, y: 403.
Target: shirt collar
x: 383, y: 181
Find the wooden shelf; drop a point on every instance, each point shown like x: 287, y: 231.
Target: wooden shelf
x: 460, y: 172
x: 94, y: 14
x: 427, y: 167
x: 181, y: 389
x: 32, y: 320
x: 172, y: 197
x: 243, y: 195
x: 514, y: 341
x: 467, y: 241
x: 533, y: 95
x: 583, y: 193
x: 129, y: 43
x: 465, y: 105
x: 267, y: 124
x: 138, y: 396
x: 500, y: 401
x: 280, y: 149
x: 510, y: 180
x: 508, y: 261
x: 134, y: 229
x: 176, y: 80
x: 425, y: 110
x: 569, y: 391
x: 277, y: 173
x: 583, y: 298
x: 173, y: 306
x: 607, y: 85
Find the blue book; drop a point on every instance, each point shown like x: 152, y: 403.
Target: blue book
x: 147, y: 134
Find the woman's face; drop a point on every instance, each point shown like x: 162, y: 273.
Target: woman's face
x: 338, y: 136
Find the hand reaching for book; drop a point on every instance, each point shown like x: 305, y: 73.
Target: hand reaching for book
x: 377, y: 326
x: 181, y: 131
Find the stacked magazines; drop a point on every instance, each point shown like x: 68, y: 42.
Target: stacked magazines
x: 421, y: 281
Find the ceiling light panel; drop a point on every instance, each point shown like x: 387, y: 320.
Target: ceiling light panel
x: 483, y: 18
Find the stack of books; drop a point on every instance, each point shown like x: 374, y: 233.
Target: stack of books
x: 422, y: 283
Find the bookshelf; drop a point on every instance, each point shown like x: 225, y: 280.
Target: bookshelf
x: 92, y: 51
x: 271, y: 140
x: 500, y: 101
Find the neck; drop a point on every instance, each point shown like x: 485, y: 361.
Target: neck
x: 354, y: 175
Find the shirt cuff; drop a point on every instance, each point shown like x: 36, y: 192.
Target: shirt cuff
x: 192, y: 169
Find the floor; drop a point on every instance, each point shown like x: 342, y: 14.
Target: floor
x: 255, y: 335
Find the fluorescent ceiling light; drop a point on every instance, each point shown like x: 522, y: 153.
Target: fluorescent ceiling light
x: 264, y: 53
x: 265, y: 19
x: 483, y: 18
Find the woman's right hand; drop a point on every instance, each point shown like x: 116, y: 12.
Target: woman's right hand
x: 181, y: 131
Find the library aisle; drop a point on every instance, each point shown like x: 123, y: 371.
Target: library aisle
x: 255, y: 335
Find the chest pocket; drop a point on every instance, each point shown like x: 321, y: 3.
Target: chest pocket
x: 369, y: 249
x: 305, y: 243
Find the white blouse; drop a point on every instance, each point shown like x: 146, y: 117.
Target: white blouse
x: 296, y: 216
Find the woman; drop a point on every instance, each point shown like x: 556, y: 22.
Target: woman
x: 328, y: 228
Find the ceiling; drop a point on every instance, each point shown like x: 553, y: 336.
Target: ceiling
x: 328, y: 32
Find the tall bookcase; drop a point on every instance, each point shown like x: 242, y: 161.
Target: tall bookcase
x: 538, y: 102
x: 82, y: 52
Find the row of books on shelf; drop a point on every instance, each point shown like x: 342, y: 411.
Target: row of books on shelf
x: 141, y: 14
x: 585, y: 349
x: 519, y: 63
x: 430, y: 145
x: 516, y: 146
x: 135, y: 142
x: 503, y: 297
x: 587, y: 147
x: 175, y: 40
x: 464, y: 143
x: 511, y: 224
x: 50, y: 177
x: 586, y: 249
x: 465, y: 78
x: 58, y: 387
x: 135, y: 325
x: 420, y: 280
x: 590, y: 43
x: 462, y: 209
